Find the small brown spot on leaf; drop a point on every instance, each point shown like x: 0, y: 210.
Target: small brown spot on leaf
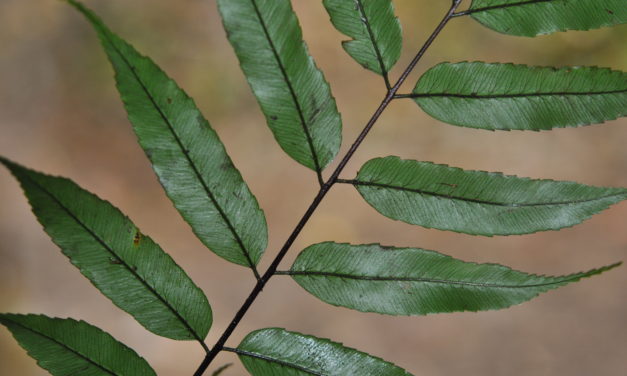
x: 202, y: 122
x: 113, y: 260
x: 274, y: 117
x: 169, y: 100
x: 506, y: 212
x: 137, y: 238
x: 225, y: 166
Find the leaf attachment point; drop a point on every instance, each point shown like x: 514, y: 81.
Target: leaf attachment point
x: 413, y: 281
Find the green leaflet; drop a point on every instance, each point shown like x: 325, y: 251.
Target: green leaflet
x: 412, y: 281
x: 274, y: 351
x: 519, y: 97
x: 186, y: 153
x: 69, y: 347
x: 477, y: 202
x: 376, y: 32
x: 533, y: 17
x: 292, y: 92
x: 125, y: 265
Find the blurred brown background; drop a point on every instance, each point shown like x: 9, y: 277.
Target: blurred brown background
x: 60, y: 113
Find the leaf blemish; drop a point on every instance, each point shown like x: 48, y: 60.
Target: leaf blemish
x: 137, y: 238
x: 225, y: 166
x: 202, y: 122
x: 115, y: 261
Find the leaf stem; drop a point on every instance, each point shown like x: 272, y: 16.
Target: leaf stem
x: 345, y: 181
x: 401, y: 96
x: 324, y: 189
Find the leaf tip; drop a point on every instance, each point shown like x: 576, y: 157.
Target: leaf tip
x: 88, y: 13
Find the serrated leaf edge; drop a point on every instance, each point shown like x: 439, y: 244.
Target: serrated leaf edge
x: 325, y: 340
x: 583, y: 219
x: 3, y: 317
x: 144, y: 282
x: 569, y: 278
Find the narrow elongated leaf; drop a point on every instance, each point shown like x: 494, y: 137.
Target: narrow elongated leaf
x: 412, y: 281
x: 534, y: 17
x: 187, y: 155
x: 69, y: 347
x: 125, y: 265
x: 292, y: 92
x: 477, y: 202
x: 275, y: 351
x: 376, y: 32
x: 519, y: 97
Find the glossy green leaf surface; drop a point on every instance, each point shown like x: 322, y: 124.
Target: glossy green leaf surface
x: 68, y: 347
x: 274, y: 352
x: 376, y: 32
x: 186, y: 154
x: 292, y: 92
x: 125, y: 265
x: 477, y: 202
x: 412, y: 281
x: 520, y: 97
x: 534, y: 17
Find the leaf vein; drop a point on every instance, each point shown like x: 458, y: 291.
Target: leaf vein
x: 426, y: 280
x: 375, y: 45
x: 477, y: 201
x: 505, y: 96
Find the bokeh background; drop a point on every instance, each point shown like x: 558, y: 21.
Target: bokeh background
x: 60, y: 113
